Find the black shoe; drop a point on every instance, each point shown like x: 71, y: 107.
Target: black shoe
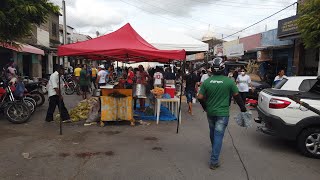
x: 214, y: 166
x: 49, y: 120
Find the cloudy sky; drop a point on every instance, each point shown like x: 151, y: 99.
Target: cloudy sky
x: 191, y: 17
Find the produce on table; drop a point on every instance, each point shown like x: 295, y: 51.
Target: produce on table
x: 157, y: 91
x: 82, y: 110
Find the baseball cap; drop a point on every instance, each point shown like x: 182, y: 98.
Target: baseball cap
x: 102, y: 66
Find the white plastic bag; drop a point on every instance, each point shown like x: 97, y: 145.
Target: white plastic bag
x: 94, y: 113
x: 244, y: 119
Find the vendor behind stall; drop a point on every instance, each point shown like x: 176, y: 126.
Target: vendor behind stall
x: 102, y: 76
x: 130, y: 78
x: 158, y: 78
x: 169, y: 75
x: 110, y: 75
x: 142, y: 78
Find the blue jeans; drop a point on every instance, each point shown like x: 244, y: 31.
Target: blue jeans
x: 190, y: 94
x: 217, y: 126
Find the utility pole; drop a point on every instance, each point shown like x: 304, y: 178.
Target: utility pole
x: 65, y: 59
x: 64, y: 42
x: 297, y: 10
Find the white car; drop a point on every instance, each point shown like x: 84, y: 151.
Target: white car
x: 283, y: 117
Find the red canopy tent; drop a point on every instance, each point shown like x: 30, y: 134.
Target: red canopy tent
x: 125, y: 44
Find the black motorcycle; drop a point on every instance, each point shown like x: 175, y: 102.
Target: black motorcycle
x: 16, y: 111
x: 33, y: 89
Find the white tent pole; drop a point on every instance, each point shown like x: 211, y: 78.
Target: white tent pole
x: 181, y: 88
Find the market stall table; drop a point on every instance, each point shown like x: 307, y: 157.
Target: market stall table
x: 172, y: 104
x: 116, y: 105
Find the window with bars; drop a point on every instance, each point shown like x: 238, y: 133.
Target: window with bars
x: 54, y: 30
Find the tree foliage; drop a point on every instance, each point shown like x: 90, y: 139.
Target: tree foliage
x: 309, y: 23
x: 17, y: 17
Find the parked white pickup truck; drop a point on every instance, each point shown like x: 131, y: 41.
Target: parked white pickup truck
x: 283, y: 117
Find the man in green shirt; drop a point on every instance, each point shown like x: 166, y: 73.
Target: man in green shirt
x: 214, y: 97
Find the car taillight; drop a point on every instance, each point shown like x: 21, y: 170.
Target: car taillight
x: 278, y: 103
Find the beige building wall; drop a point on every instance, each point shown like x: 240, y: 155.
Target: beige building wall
x: 226, y: 45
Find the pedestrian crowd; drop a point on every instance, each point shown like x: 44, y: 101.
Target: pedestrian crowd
x: 212, y: 87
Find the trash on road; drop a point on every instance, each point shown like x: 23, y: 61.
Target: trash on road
x: 244, y: 119
x: 26, y: 155
x: 144, y: 123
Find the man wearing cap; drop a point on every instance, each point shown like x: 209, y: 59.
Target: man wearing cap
x: 55, y: 96
x: 102, y: 75
x: 214, y: 97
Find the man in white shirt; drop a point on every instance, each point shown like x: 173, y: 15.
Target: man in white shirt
x: 158, y: 78
x: 205, y: 76
x: 102, y: 76
x: 243, y: 83
x: 55, y: 96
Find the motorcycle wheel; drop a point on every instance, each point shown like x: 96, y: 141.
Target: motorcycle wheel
x: 43, y: 89
x: 69, y: 90
x: 79, y: 92
x: 76, y: 87
x: 38, y: 97
x: 17, y: 113
x: 31, y: 103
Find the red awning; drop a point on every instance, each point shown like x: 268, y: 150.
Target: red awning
x: 23, y: 48
x: 125, y: 44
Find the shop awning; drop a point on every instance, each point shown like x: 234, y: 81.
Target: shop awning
x: 26, y: 48
x: 125, y: 44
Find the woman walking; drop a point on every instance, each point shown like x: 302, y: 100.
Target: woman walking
x: 243, y: 83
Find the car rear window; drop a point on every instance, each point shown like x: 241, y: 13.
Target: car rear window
x: 316, y: 87
x: 307, y: 84
x: 281, y: 83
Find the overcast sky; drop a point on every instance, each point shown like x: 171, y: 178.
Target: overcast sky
x: 191, y: 17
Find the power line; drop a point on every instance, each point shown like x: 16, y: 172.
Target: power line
x: 193, y: 19
x: 260, y: 20
x: 239, y: 3
x: 281, y: 15
x: 234, y: 2
x: 228, y: 5
x: 187, y: 25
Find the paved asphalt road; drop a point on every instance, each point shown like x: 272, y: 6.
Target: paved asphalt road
x: 145, y: 151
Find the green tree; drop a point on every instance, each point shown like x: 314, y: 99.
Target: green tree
x: 309, y: 25
x: 18, y: 16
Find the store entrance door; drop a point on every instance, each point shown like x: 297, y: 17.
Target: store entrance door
x: 27, y: 65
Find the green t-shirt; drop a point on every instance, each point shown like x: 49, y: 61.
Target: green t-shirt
x: 217, y: 91
x: 84, y: 79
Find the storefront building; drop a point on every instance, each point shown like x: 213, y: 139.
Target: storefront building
x: 305, y: 61
x: 26, y: 57
x: 250, y: 45
x: 281, y: 52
